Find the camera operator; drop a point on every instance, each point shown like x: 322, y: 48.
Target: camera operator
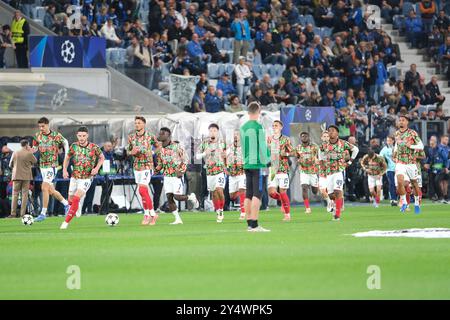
x: 354, y: 175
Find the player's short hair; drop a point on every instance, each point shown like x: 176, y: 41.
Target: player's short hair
x: 140, y: 118
x: 333, y: 126
x: 213, y: 125
x: 254, y: 107
x: 280, y: 122
x: 83, y: 129
x: 404, y: 115
x: 307, y: 133
x: 371, y: 153
x: 391, y: 137
x: 166, y: 130
x: 24, y: 142
x: 43, y: 120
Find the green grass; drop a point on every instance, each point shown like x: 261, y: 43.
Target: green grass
x: 309, y: 258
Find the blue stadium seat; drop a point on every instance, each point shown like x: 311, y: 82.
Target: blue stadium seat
x: 318, y: 31
x: 279, y: 69
x: 218, y: 42
x: 398, y: 22
x: 327, y: 32
x: 257, y: 70
x: 213, y: 71
x: 310, y: 19
x: 40, y: 13
x: 272, y: 70
x: 39, y: 21
x: 229, y: 68
x: 407, y: 7
x: 122, y: 56
x: 302, y: 20
x: 252, y: 45
x: 227, y: 44
x: 221, y: 70
x: 108, y: 56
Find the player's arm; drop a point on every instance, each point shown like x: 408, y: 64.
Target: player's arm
x: 418, y: 144
x: 132, y: 149
x: 354, y: 152
x: 200, y: 154
x: 66, y: 163
x: 184, y: 161
x: 383, y: 165
x: 35, y: 147
x: 288, y: 149
x: 101, y: 159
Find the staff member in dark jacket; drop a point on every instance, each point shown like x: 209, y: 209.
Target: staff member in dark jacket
x: 20, y: 30
x: 21, y: 164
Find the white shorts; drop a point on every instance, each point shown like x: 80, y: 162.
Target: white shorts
x: 236, y: 183
x: 335, y: 182
x: 374, y: 181
x: 323, y: 183
x: 48, y: 174
x: 310, y: 179
x: 142, y: 177
x: 406, y: 178
x: 173, y: 185
x: 407, y: 170
x: 79, y: 184
x: 280, y: 180
x: 216, y: 181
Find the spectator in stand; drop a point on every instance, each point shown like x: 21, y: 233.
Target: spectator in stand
x: 357, y: 76
x: 412, y: 78
x: 427, y: 10
x: 224, y: 84
x: 243, y: 78
x: 434, y: 93
x: 328, y: 99
x: 49, y: 18
x: 414, y: 30
x: 293, y: 90
x: 390, y: 92
x: 266, y: 83
x: 235, y: 105
x: 268, y: 51
x: 437, y: 164
x: 387, y: 153
x: 210, y: 47
x: 256, y: 96
x: 390, y: 8
x: 442, y: 21
x: 444, y: 56
x: 339, y: 101
x: 344, y: 122
x: 242, y: 35
x: 109, y: 32
x: 202, y: 84
x: 138, y: 58
x: 102, y: 16
x: 382, y: 76
x: 196, y: 53
x: 198, y: 102
x: 175, y: 33
x: 5, y: 42
x: 213, y: 101
x: 409, y: 102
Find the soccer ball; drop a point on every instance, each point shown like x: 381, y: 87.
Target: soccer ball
x: 112, y: 219
x: 68, y: 51
x: 27, y: 220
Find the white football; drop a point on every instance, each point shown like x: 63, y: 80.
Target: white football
x: 27, y: 220
x: 112, y: 219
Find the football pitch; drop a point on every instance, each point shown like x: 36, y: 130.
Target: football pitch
x: 310, y: 257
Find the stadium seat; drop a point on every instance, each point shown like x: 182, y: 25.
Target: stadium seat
x: 407, y: 7
x: 40, y: 13
x: 310, y: 19
x: 398, y: 22
x: 229, y: 68
x: 213, y: 71
x: 227, y: 44
x: 272, y: 70
x: 279, y: 68
x: 108, y: 56
x: 317, y: 31
x: 143, y: 15
x: 39, y: 21
x: 15, y: 139
x: 257, y: 70
x: 302, y: 20
x: 122, y: 56
x: 326, y: 32
x: 252, y: 45
x: 218, y: 42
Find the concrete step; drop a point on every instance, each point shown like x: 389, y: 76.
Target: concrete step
x: 387, y: 27
x: 397, y: 39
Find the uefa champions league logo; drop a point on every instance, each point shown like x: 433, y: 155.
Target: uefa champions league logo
x: 59, y: 98
x: 68, y: 51
x: 308, y: 114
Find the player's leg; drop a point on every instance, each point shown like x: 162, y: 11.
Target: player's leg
x: 142, y: 179
x: 248, y: 196
x: 379, y: 189
x: 54, y: 193
x: 283, y: 182
x: 74, y: 207
x: 172, y: 206
x: 48, y: 175
x: 401, y: 190
x: 241, y: 203
x: 337, y: 180
x: 178, y: 195
x: 413, y: 175
x: 305, y: 195
x: 257, y: 184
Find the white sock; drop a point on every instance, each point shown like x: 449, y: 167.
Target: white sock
x: 152, y: 212
x: 176, y: 214
x: 403, y: 197
x: 64, y: 202
x: 44, y: 211
x: 416, y: 201
x: 146, y: 213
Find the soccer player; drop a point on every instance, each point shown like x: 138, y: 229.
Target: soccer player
x: 172, y: 163
x: 407, y: 143
x: 48, y: 142
x: 140, y: 145
x: 236, y: 182
x: 307, y: 155
x: 87, y: 160
x: 334, y: 152
x: 323, y: 184
x: 280, y: 150
x: 256, y: 157
x: 214, y: 152
x: 375, y: 166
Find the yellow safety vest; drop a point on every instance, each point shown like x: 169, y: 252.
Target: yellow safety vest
x: 17, y: 30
